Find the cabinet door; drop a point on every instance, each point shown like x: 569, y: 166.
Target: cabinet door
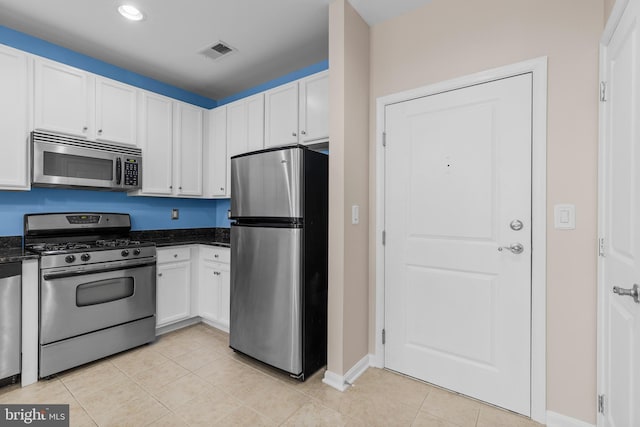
x: 245, y: 129
x: 173, y: 292
x: 314, y: 108
x: 255, y: 122
x: 62, y: 99
x: 116, y: 111
x: 156, y: 141
x: 216, y: 158
x: 208, y: 298
x: 215, y: 281
x: 245, y: 125
x: 14, y: 119
x: 188, y: 149
x: 224, y: 286
x: 281, y: 115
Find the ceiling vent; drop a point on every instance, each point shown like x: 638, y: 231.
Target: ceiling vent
x: 218, y: 50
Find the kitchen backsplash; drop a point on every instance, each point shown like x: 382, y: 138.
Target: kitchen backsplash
x: 147, y: 213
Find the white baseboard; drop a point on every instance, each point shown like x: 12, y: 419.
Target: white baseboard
x: 356, y: 370
x: 342, y: 382
x: 558, y: 420
x: 334, y: 380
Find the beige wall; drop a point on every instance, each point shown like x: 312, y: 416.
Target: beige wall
x: 451, y: 38
x: 608, y: 7
x: 348, y: 185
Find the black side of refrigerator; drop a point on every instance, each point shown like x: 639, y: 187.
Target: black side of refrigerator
x: 316, y: 258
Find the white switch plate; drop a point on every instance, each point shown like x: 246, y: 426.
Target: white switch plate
x: 564, y: 217
x: 175, y: 213
x: 355, y: 214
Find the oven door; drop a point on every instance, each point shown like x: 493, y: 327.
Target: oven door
x: 75, y: 302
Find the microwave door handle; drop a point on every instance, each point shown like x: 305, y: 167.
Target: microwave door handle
x: 118, y: 170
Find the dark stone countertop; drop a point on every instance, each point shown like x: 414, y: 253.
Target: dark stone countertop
x: 185, y: 236
x: 11, y: 250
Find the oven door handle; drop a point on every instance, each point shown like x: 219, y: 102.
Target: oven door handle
x: 84, y: 272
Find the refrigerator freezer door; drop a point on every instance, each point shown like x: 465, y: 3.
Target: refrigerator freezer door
x: 266, y: 303
x: 267, y: 184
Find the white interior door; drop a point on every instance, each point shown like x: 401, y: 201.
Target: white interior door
x: 619, y: 381
x: 458, y: 240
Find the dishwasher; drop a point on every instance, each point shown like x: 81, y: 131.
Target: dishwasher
x: 10, y: 321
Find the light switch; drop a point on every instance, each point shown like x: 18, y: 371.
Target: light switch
x: 565, y: 217
x: 175, y: 213
x: 355, y: 214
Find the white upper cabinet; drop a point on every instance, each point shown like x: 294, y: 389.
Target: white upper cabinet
x: 14, y: 119
x: 156, y: 142
x: 188, y: 140
x: 281, y: 115
x: 171, y: 138
x: 74, y: 102
x: 215, y: 173
x: 298, y: 112
x: 116, y: 111
x: 62, y: 98
x: 245, y: 125
x: 314, y: 108
x: 245, y: 128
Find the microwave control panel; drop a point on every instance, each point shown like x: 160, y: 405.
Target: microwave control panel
x: 131, y: 172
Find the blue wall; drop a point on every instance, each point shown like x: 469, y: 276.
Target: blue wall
x: 147, y: 213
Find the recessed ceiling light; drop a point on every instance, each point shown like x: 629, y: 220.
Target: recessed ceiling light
x: 130, y: 12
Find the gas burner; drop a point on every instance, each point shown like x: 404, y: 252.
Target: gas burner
x: 51, y: 247
x: 114, y: 243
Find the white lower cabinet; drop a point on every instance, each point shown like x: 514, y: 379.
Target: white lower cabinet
x: 214, y: 286
x: 173, y: 285
x: 182, y: 294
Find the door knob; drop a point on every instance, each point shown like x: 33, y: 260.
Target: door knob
x: 633, y: 292
x: 515, y: 248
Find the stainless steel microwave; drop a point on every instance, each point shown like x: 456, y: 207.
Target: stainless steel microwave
x: 64, y: 161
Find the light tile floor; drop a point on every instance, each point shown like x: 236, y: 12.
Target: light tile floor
x: 190, y: 377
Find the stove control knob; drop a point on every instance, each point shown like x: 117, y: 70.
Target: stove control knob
x: 136, y: 251
x: 85, y: 257
x: 125, y: 252
x: 69, y: 259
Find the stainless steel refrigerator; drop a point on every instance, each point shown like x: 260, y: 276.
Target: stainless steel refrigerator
x: 279, y: 245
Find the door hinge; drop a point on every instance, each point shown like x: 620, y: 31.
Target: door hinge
x: 601, y: 403
x: 603, y: 91
x: 384, y: 139
x: 601, y: 247
x: 384, y: 337
x: 384, y: 237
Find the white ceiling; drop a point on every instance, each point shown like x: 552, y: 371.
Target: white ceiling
x: 272, y: 38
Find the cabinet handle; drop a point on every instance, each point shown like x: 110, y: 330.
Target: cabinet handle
x: 221, y: 188
x: 171, y: 187
x: 216, y: 273
x: 304, y: 132
x: 294, y: 134
x: 175, y: 255
x: 216, y: 256
x: 85, y: 128
x: 180, y: 188
x: 99, y: 131
x: 159, y: 274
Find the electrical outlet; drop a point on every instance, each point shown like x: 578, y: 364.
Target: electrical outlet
x: 175, y: 213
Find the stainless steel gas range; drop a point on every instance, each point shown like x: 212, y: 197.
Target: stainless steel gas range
x: 97, y: 287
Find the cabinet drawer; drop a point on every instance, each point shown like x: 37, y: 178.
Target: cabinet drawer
x: 216, y: 254
x: 173, y: 254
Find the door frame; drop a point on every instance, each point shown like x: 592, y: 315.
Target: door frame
x: 538, y: 68
x: 612, y: 23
